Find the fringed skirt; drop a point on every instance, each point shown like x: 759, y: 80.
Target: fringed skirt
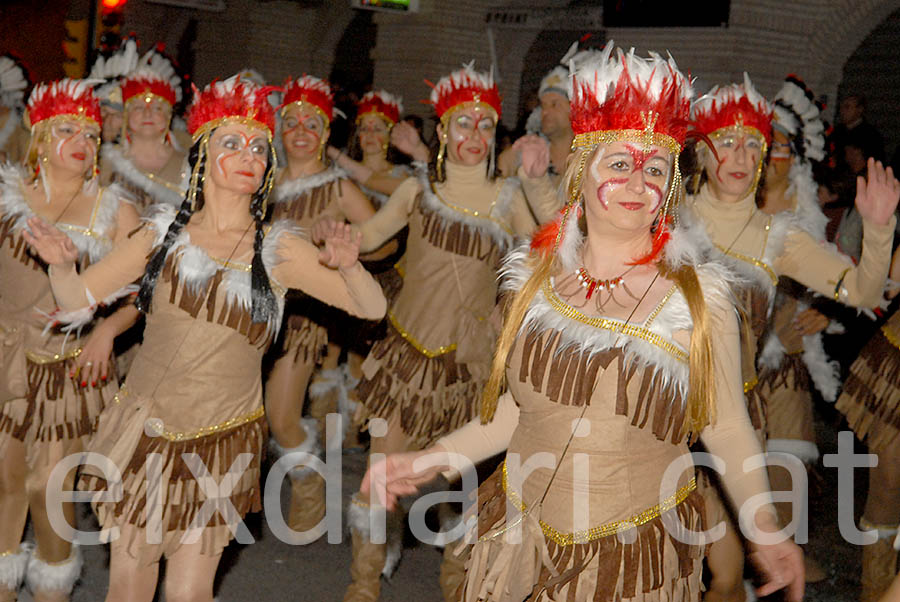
x: 304, y: 340
x: 644, y: 563
x: 55, y: 409
x: 786, y: 396
x: 431, y: 396
x: 870, y: 399
x: 159, y: 502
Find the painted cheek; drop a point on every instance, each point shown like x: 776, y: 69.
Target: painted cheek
x: 657, y: 192
x: 608, y: 187
x: 220, y: 162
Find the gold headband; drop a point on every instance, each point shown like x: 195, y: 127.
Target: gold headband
x: 592, y: 139
x: 147, y: 97
x: 469, y: 104
x: 212, y: 124
x: 377, y: 113
x: 300, y: 104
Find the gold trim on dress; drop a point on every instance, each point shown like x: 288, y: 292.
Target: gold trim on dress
x: 429, y: 353
x: 159, y: 429
x: 749, y: 385
x: 606, y: 529
x: 475, y: 213
x: 891, y: 336
x: 630, y: 330
x: 660, y: 306
x: 40, y: 359
x: 753, y: 261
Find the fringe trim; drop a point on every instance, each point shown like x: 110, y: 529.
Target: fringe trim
x: 305, y: 339
x: 13, y: 565
x: 643, y: 570
x: 57, y: 577
x: 781, y: 376
x: 121, y: 166
x: 181, y: 496
x: 456, y: 222
x: 433, y: 396
x: 292, y: 189
x: 870, y: 400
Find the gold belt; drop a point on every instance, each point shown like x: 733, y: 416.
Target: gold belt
x: 429, y: 353
x: 606, y: 529
x: 891, y: 336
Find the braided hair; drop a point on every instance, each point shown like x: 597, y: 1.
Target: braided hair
x: 264, y: 306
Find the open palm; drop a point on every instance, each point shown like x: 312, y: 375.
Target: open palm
x: 54, y: 247
x: 877, y: 194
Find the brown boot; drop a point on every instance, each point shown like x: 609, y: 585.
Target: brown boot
x: 368, y: 562
x: 879, y: 562
x: 307, y: 501
x: 324, y: 391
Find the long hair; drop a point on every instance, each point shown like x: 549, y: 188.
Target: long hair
x: 692, y: 161
x: 700, y: 402
x: 264, y: 306
x: 434, y: 149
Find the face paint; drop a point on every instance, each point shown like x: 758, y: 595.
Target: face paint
x: 608, y: 187
x: 236, y: 144
x: 639, y: 156
x: 70, y: 132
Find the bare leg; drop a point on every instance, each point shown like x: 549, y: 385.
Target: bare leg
x: 285, y: 391
x: 13, y: 511
x: 190, y: 574
x: 726, y: 566
x: 129, y: 579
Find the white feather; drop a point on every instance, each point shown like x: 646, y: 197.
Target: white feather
x: 291, y: 189
x: 123, y: 166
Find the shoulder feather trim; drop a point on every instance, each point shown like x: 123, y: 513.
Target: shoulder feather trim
x: 124, y: 167
x: 293, y: 188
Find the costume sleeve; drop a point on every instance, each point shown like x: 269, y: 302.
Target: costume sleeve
x: 542, y: 196
x: 107, y: 279
x: 351, y: 289
x: 391, y: 218
x: 731, y: 436
x: 479, y: 441
x: 523, y: 223
x: 826, y: 271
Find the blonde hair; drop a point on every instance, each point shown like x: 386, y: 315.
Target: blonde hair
x: 700, y: 402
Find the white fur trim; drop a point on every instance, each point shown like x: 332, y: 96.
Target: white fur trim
x: 12, y: 567
x: 77, y: 319
x: 501, y: 211
x: 824, y: 372
x: 290, y: 190
x: 750, y: 591
x: 57, y: 577
x: 124, y: 167
x: 360, y: 518
x: 772, y: 353
x: 806, y: 451
x: 310, y: 445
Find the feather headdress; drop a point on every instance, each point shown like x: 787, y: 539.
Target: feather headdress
x: 381, y: 103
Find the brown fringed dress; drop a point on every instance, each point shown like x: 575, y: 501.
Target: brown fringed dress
x: 195, y: 385
x: 41, y: 403
x: 601, y: 528
x: 167, y: 185
x: 428, y: 373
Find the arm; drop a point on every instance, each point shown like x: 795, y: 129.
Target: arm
x: 385, y: 183
x: 390, y: 219
x: 732, y: 439
x: 826, y: 271
x: 355, y: 206
x: 540, y: 191
x: 341, y: 281
x: 73, y: 291
x: 127, y: 220
x: 406, y: 139
x: 96, y: 351
x: 394, y: 476
x: 523, y: 223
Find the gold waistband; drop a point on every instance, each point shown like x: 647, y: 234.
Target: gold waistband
x: 606, y: 529
x: 891, y: 336
x: 429, y: 353
x: 159, y: 430
x: 753, y: 261
x: 749, y: 385
x: 41, y: 359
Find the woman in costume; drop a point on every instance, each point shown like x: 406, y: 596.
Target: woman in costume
x: 619, y: 347
x: 148, y: 161
x: 213, y: 290
x: 759, y: 247
x: 112, y: 69
x: 425, y: 377
x: 56, y: 380
x: 792, y: 356
x: 306, y: 189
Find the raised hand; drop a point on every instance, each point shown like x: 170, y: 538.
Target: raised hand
x: 341, y: 245
x: 877, y: 194
x: 535, y: 153
x: 54, y: 247
x: 321, y: 228
x: 406, y: 139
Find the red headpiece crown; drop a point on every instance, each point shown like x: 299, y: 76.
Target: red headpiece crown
x: 462, y: 86
x: 312, y: 90
x: 382, y: 103
x: 734, y: 105
x: 617, y: 94
x: 155, y: 75
x: 70, y: 97
x: 231, y: 100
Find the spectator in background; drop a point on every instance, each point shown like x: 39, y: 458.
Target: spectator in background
x: 853, y: 127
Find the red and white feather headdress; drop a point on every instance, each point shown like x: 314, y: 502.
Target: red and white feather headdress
x: 69, y: 98
x: 312, y: 91
x: 617, y: 96
x: 465, y: 87
x: 155, y: 77
x: 381, y: 103
x: 233, y: 100
x: 735, y: 105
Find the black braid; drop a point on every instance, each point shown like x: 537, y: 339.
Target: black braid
x: 264, y: 306
x: 155, y: 266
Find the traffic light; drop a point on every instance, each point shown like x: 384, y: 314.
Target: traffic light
x: 75, y: 48
x: 109, y: 25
